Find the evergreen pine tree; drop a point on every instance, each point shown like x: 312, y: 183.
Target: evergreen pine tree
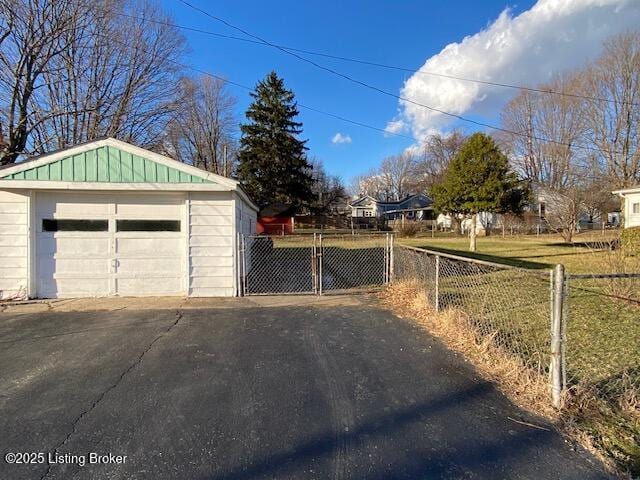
x: 273, y: 165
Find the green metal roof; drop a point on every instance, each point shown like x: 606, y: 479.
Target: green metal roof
x: 105, y: 164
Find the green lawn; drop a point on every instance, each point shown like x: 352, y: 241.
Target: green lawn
x: 530, y: 251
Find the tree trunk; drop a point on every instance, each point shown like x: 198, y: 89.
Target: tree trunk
x: 456, y: 223
x: 473, y: 233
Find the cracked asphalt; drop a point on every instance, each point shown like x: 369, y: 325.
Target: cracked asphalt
x: 250, y: 389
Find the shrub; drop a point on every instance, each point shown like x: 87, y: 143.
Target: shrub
x: 409, y: 229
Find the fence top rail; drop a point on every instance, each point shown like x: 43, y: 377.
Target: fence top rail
x: 462, y: 258
x: 603, y: 275
x: 323, y: 234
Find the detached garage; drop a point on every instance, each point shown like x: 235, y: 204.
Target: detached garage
x: 109, y: 218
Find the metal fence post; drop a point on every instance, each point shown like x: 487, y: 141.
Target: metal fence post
x: 239, y: 263
x: 391, y: 268
x: 437, y: 283
x: 385, y: 269
x: 314, y: 264
x: 320, y: 264
x: 563, y: 330
x: 243, y: 272
x: 556, y: 373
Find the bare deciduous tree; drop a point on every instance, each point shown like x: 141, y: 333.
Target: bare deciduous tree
x: 328, y: 190
x: 398, y: 174
x: 614, y: 124
x: 77, y: 70
x: 202, y: 132
x: 33, y: 34
x: 548, y: 128
x: 438, y: 151
x: 413, y: 171
x: 372, y: 184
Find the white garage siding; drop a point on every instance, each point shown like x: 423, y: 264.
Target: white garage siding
x: 246, y: 218
x: 211, y: 244
x: 108, y: 218
x: 14, y: 244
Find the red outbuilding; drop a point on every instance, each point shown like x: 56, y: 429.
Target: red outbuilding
x: 276, y: 219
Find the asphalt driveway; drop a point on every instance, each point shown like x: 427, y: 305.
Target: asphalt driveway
x: 244, y: 391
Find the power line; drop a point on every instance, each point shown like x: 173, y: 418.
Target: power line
x: 385, y: 92
x: 379, y: 64
x: 301, y: 105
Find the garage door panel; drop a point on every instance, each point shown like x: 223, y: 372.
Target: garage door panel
x: 50, y: 267
x: 166, y: 211
x: 11, y: 272
x: 18, y: 261
x: 73, y: 287
x: 165, y: 266
x: 13, y: 252
x: 98, y: 263
x: 146, y: 247
x: 144, y: 286
x: 13, y: 207
x: 72, y: 205
x: 79, y: 247
x: 211, y: 282
x: 212, y: 292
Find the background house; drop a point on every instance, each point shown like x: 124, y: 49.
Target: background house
x: 368, y: 210
x: 631, y: 211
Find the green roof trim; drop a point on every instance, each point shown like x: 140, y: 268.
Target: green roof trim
x: 105, y: 165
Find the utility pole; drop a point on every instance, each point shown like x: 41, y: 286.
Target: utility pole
x: 224, y: 160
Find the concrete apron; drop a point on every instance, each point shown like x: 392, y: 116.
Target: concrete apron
x: 179, y: 303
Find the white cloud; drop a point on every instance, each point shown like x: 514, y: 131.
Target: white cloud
x: 340, y: 138
x: 552, y: 36
x: 395, y: 126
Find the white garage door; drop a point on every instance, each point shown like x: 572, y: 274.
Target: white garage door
x: 98, y: 245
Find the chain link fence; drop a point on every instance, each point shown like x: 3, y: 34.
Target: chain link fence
x: 579, y: 332
x: 314, y: 264
x: 602, y: 317
x: 351, y: 262
x: 272, y: 264
x: 508, y: 306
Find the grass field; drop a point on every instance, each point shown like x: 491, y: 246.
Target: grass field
x: 530, y: 251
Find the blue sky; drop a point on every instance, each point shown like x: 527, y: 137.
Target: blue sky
x: 405, y: 33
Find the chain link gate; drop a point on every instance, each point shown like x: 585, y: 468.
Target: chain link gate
x: 313, y: 264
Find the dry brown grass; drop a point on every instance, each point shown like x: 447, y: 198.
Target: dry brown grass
x: 584, y: 418
x: 525, y: 386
